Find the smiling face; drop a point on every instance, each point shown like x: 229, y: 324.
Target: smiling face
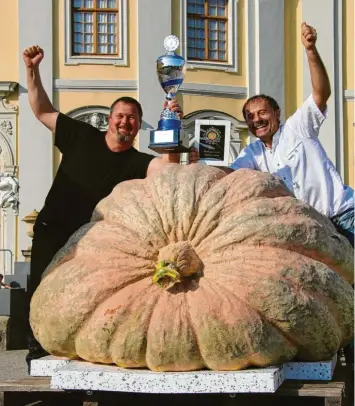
x: 262, y: 120
x: 124, y: 122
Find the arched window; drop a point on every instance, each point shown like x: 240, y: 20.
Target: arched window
x: 97, y: 116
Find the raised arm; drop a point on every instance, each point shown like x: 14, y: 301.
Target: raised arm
x: 37, y: 96
x: 320, y: 81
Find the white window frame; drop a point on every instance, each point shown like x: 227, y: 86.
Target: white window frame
x: 120, y: 60
x: 232, y: 64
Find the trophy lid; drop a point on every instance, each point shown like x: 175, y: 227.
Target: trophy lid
x: 171, y: 43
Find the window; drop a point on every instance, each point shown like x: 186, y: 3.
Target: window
x: 207, y: 22
x: 94, y: 27
x: 96, y: 31
x: 209, y: 33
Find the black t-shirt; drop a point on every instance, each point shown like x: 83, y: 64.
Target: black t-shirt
x: 88, y: 172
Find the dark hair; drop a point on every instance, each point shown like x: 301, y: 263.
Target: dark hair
x: 128, y: 100
x: 1, y: 275
x: 272, y: 102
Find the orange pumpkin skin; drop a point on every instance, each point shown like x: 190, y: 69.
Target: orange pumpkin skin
x: 263, y: 277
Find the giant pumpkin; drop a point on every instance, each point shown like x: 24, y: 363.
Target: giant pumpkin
x: 193, y: 269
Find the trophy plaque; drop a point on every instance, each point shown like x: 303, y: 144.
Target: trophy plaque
x: 170, y: 137
x: 212, y: 139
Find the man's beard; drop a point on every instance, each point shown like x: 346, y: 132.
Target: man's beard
x: 122, y: 138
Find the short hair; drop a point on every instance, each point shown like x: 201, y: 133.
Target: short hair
x: 272, y: 102
x: 128, y: 100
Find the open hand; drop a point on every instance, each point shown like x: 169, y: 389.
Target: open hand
x: 308, y: 36
x: 32, y: 56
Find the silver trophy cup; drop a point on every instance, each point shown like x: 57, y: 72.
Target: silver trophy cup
x: 170, y: 137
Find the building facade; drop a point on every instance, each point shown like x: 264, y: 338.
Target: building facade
x: 99, y: 50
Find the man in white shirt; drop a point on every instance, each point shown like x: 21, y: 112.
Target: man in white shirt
x: 293, y: 151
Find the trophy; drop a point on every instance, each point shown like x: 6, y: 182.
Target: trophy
x: 170, y: 137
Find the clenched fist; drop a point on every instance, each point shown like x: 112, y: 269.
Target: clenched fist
x: 174, y: 106
x: 32, y: 56
x: 308, y: 36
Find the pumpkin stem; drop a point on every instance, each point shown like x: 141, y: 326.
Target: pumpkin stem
x: 165, y: 274
x: 175, y: 263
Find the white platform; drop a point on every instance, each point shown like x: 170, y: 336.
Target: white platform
x: 313, y: 371
x: 81, y: 375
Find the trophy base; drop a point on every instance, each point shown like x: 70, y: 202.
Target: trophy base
x: 169, y: 141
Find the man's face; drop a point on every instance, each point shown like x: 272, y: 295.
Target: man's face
x: 262, y: 120
x: 124, y: 122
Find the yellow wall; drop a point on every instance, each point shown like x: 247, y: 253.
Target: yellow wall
x: 348, y: 78
x: 192, y: 103
x: 293, y: 56
x: 9, y: 40
x: 107, y: 72
x: 216, y: 76
x: 349, y: 163
x: 348, y: 46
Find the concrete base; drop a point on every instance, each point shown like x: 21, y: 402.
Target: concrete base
x: 87, y: 376
x: 82, y: 375
x: 47, y: 366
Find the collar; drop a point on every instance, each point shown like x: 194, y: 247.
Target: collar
x: 275, y: 140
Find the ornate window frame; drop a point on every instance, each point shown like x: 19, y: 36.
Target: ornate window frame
x: 232, y: 64
x: 122, y: 44
x: 8, y: 151
x: 97, y: 116
x: 8, y: 129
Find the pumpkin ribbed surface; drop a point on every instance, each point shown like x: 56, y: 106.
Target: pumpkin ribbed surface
x: 192, y: 269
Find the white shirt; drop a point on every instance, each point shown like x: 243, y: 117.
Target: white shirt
x: 299, y: 159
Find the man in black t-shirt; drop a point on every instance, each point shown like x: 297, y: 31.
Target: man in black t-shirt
x: 93, y: 163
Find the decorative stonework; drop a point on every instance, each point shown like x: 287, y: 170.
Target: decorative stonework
x: 97, y: 116
x: 9, y: 192
x: 8, y: 129
x: 7, y: 160
x: 7, y: 126
x: 7, y: 87
x: 98, y: 120
x: 9, y: 182
x: 6, y: 107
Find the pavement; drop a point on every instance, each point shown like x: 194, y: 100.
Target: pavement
x: 13, y: 364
